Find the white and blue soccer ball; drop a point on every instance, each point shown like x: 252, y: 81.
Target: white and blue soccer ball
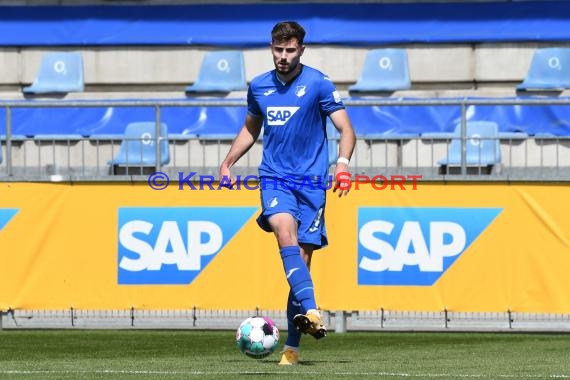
x: 257, y: 337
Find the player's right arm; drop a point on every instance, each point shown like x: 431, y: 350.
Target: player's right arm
x: 241, y: 144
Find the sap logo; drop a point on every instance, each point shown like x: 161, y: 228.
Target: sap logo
x: 428, y: 259
x: 6, y: 214
x: 173, y: 245
x: 415, y: 246
x: 280, y: 115
x: 184, y: 256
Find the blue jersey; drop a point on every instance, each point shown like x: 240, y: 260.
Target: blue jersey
x: 294, y: 122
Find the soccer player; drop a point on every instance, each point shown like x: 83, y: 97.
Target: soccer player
x: 291, y: 104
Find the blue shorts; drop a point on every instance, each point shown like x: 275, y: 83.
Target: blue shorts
x: 305, y: 203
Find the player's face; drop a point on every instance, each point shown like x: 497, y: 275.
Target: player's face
x: 286, y: 56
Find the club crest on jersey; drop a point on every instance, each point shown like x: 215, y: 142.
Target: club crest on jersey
x: 280, y: 115
x: 301, y: 90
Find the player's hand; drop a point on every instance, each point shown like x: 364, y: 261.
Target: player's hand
x: 342, y: 179
x: 226, y: 179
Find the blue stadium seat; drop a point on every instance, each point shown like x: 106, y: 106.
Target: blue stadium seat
x: 482, y: 147
x: 60, y: 72
x: 138, y: 146
x: 221, y: 71
x: 384, y: 70
x: 549, y: 70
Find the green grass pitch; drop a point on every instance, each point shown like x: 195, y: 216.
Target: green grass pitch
x: 178, y: 354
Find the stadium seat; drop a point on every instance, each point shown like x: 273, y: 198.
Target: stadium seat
x: 384, y: 70
x: 138, y: 146
x: 60, y: 72
x: 221, y: 71
x: 549, y: 70
x: 482, y: 147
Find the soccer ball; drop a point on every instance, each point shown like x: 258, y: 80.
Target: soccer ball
x: 257, y: 337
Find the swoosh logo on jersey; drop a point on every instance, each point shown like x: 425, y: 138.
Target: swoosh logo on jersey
x: 269, y: 92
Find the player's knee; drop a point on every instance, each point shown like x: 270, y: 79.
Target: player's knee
x: 285, y: 231
x: 285, y: 238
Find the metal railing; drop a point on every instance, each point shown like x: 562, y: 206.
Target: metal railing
x: 395, y: 151
x: 336, y: 320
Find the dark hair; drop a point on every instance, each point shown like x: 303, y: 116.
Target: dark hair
x: 287, y: 30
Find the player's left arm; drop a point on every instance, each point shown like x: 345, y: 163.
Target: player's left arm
x: 332, y: 105
x: 346, y: 144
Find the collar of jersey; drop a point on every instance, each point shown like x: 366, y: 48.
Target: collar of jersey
x: 292, y: 79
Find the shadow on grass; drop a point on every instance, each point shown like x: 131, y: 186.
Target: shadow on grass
x: 305, y: 363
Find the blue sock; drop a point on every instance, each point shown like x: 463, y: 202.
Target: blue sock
x: 293, y: 308
x: 299, y: 277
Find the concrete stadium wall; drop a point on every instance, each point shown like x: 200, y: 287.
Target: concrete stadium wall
x: 444, y: 69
